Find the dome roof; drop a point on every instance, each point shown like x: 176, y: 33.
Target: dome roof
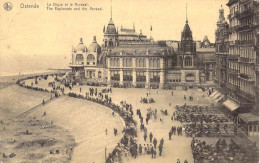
x: 111, y: 29
x: 81, y: 46
x: 94, y: 46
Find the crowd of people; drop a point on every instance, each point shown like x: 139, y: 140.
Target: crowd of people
x: 196, y: 121
x: 223, y: 151
x: 204, y: 121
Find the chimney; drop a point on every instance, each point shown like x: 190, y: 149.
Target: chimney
x: 81, y: 41
x: 94, y: 39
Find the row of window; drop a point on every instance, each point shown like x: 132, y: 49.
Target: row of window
x: 91, y: 74
x: 247, y: 53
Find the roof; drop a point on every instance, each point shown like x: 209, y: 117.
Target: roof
x: 248, y: 117
x: 210, y: 50
x: 142, y: 49
x: 230, y: 2
x: 111, y: 29
x: 206, y: 56
x: 186, y: 33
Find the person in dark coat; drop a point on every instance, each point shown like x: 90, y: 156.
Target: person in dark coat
x: 145, y: 136
x: 154, y: 142
x: 151, y: 137
x: 170, y: 135
x: 160, y: 149
x: 140, y: 149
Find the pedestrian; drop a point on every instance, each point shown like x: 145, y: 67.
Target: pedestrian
x: 155, y: 142
x: 186, y: 161
x: 151, y: 137
x: 160, y: 149
x: 152, y: 152
x: 140, y: 149
x: 184, y: 97
x: 162, y: 141
x: 178, y: 161
x: 106, y: 131
x: 172, y: 93
x: 170, y: 135
x: 145, y: 136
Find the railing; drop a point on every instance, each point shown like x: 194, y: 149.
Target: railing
x: 246, y: 27
x: 246, y: 60
x: 246, y: 42
x: 232, y: 56
x: 234, y: 42
x: 232, y: 71
x: 231, y: 86
x: 246, y: 13
x: 246, y: 77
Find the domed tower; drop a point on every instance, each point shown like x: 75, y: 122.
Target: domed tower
x: 78, y: 54
x: 222, y: 26
x: 110, y: 34
x: 78, y: 57
x: 94, y: 50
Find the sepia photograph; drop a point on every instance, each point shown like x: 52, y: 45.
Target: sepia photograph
x: 129, y: 81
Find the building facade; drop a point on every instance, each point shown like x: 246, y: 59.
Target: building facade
x: 131, y: 59
x: 237, y: 66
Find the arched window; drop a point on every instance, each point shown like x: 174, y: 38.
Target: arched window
x: 111, y: 62
x: 124, y: 62
x: 141, y: 62
x: 137, y: 62
x: 117, y: 62
x: 79, y: 59
x: 158, y: 63
x: 150, y: 62
x: 90, y: 59
x: 188, y: 61
x: 129, y: 62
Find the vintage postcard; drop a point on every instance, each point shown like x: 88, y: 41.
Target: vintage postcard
x: 129, y: 81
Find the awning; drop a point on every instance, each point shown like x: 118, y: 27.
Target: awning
x: 220, y: 98
x: 213, y: 94
x: 248, y: 117
x: 230, y: 105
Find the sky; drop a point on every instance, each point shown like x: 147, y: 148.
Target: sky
x: 38, y: 38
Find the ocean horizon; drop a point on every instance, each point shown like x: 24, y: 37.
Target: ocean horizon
x: 26, y: 72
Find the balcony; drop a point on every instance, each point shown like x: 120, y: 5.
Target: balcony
x: 232, y: 71
x: 231, y: 86
x: 246, y: 42
x: 234, y: 42
x: 246, y: 60
x: 244, y: 14
x: 246, y: 27
x: 246, y: 77
x: 232, y: 56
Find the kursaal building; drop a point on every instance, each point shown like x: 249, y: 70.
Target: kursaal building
x: 130, y: 59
